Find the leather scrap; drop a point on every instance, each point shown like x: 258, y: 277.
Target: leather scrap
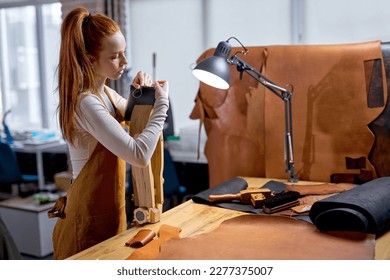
x: 272, y: 238
x: 152, y: 249
x: 318, y: 189
x: 143, y: 237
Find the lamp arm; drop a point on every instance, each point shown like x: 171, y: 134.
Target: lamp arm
x: 242, y: 66
x: 283, y: 94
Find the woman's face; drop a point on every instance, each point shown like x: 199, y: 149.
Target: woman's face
x: 112, y: 60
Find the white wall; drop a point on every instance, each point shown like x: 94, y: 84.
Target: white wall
x: 171, y: 29
x: 346, y: 21
x: 179, y: 31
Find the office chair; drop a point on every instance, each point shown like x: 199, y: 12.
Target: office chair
x: 7, y: 131
x: 10, y: 172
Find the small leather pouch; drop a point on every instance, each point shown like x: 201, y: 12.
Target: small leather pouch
x: 143, y: 237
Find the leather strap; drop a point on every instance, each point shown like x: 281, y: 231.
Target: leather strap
x: 58, y: 210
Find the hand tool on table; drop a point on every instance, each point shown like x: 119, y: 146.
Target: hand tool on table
x: 243, y: 196
x: 281, y: 202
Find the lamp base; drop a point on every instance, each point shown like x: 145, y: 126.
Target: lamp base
x: 293, y: 180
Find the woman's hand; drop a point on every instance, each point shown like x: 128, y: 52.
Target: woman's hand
x: 162, y: 88
x: 142, y: 79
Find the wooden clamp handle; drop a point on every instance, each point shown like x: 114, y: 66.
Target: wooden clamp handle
x: 214, y: 198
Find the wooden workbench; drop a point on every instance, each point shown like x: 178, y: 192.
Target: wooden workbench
x: 193, y: 219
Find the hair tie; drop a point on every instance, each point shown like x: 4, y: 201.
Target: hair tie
x: 87, y: 18
x: 85, y: 24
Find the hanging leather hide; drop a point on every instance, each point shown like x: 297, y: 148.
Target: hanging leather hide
x: 332, y: 104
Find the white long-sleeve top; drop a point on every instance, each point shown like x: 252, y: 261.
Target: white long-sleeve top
x: 94, y: 124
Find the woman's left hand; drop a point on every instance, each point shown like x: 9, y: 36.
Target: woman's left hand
x: 142, y: 79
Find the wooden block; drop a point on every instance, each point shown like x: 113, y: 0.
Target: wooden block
x: 148, y: 181
x: 144, y: 185
x: 257, y: 200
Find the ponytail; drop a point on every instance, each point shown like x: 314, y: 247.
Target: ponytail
x: 82, y: 35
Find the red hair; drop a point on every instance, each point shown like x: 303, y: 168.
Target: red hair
x: 82, y: 36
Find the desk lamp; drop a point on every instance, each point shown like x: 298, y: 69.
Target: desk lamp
x: 214, y: 71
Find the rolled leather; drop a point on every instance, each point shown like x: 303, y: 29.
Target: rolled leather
x: 365, y: 208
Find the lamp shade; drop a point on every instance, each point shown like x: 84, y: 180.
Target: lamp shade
x: 214, y: 70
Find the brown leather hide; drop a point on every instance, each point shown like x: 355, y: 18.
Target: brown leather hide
x: 271, y: 237
x: 234, y: 123
x: 330, y: 108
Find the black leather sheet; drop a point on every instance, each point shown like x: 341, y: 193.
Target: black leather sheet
x: 365, y: 208
x: 234, y: 186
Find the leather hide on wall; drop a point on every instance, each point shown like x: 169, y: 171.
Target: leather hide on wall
x: 333, y: 103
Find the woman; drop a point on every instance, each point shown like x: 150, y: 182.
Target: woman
x: 92, y: 51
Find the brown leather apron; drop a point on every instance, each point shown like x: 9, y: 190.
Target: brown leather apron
x: 95, y: 205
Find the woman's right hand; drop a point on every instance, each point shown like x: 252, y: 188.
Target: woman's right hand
x: 162, y: 88
x: 142, y: 79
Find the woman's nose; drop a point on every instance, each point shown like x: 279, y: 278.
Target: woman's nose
x: 124, y: 60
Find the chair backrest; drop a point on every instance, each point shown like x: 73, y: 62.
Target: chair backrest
x: 9, y: 137
x: 9, y: 169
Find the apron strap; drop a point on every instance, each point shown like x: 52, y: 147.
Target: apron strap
x: 58, y: 210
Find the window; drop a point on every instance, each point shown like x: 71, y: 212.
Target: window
x: 29, y: 45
